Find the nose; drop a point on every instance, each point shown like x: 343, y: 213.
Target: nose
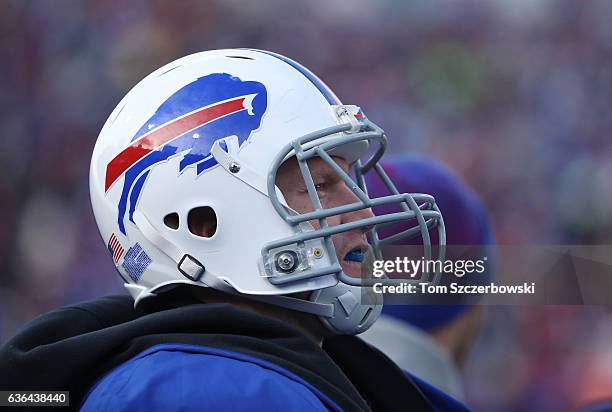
x: 349, y: 197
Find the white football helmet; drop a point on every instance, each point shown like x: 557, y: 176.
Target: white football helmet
x: 209, y: 132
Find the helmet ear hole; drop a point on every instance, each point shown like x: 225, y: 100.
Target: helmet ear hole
x: 202, y: 221
x: 171, y: 220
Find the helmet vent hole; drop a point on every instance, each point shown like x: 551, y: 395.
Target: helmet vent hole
x: 240, y: 57
x: 169, y: 70
x: 365, y: 317
x: 171, y: 220
x: 202, y: 221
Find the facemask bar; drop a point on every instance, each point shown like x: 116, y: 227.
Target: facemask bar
x: 294, y: 248
x: 427, y: 202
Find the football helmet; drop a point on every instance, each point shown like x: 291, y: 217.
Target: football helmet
x: 209, y: 132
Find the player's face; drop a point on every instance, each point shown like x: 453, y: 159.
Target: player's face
x: 350, y: 246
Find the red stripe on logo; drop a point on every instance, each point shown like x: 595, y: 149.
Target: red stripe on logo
x: 164, y: 134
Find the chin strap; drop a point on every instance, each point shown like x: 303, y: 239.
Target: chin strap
x: 339, y: 307
x: 195, y: 271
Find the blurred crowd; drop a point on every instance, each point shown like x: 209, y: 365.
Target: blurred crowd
x: 514, y: 95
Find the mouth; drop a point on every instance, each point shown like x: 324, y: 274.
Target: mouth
x: 355, y: 255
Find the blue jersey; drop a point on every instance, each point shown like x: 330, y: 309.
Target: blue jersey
x: 196, y: 378
x: 186, y: 355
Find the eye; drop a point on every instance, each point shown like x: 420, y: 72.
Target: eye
x: 320, y: 186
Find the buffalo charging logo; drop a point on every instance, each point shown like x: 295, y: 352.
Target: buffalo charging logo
x: 187, y: 124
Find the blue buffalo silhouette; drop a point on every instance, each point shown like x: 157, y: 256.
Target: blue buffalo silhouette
x: 194, y: 145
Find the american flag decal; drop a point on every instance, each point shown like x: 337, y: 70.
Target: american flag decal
x: 115, y: 249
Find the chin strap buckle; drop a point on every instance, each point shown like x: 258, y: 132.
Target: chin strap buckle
x: 191, y: 268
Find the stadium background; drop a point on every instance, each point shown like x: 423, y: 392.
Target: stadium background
x: 514, y: 95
